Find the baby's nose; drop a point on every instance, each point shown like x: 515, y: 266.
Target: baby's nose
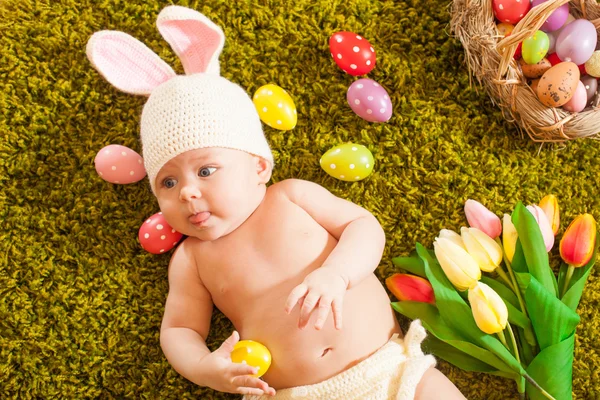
x: 189, y: 192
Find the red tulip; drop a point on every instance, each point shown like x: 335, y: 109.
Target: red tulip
x: 577, y: 244
x: 410, y: 287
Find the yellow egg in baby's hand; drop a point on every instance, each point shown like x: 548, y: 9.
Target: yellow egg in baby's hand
x: 252, y: 353
x: 348, y: 162
x: 275, y: 107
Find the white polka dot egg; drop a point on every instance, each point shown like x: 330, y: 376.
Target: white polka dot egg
x: 119, y: 164
x: 252, y: 353
x: 156, y: 236
x: 348, y: 162
x: 275, y: 107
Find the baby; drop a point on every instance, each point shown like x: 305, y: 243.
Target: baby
x: 290, y: 264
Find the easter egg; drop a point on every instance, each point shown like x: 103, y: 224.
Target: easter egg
x: 504, y: 28
x: 557, y: 85
x: 592, y: 66
x: 352, y: 53
x: 156, y: 236
x: 348, y: 162
x: 369, y: 100
x: 577, y: 41
x: 591, y: 86
x: 119, y: 164
x: 252, y: 353
x: 533, y: 71
x: 511, y: 11
x: 535, y: 47
x: 275, y: 107
x: 579, y: 100
x: 557, y: 18
x: 534, y: 84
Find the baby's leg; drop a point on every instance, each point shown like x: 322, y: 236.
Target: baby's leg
x: 435, y: 386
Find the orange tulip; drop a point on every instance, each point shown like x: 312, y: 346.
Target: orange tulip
x: 410, y: 287
x: 550, y: 206
x: 577, y: 244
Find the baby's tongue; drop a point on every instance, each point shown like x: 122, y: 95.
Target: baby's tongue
x: 200, y: 217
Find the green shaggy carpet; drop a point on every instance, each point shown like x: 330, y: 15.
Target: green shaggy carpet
x: 81, y: 302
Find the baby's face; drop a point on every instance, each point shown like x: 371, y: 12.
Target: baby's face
x: 208, y: 193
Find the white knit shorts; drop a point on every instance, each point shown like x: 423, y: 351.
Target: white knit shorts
x: 392, y: 372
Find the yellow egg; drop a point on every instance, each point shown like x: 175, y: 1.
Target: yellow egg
x: 275, y: 107
x: 348, y: 162
x: 252, y: 353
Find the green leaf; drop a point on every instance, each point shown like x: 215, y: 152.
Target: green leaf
x: 432, y: 321
x: 507, y: 294
x: 457, y: 314
x: 459, y: 358
x: 519, y: 263
x: 534, y: 249
x: 412, y: 264
x: 576, y: 285
x: 552, y: 320
x: 552, y: 369
x: 526, y: 350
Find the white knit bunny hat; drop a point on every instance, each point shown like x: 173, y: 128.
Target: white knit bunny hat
x: 186, y: 112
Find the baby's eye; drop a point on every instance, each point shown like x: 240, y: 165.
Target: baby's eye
x: 206, y: 171
x: 169, y: 183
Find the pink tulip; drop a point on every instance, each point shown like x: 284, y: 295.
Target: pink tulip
x: 544, y: 225
x: 483, y: 219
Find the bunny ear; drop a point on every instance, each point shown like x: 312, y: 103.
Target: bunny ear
x: 195, y: 39
x: 127, y: 63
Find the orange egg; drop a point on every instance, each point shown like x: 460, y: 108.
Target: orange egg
x: 534, y: 71
x: 557, y: 85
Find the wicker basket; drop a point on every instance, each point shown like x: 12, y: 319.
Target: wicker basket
x: 490, y: 60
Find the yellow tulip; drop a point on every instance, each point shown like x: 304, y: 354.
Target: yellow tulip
x: 453, y: 236
x: 485, y: 250
x: 489, y: 310
x: 549, y: 204
x: 509, y: 237
x: 458, y: 265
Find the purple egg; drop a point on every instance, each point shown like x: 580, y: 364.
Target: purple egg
x: 557, y: 19
x: 369, y: 100
x: 591, y: 86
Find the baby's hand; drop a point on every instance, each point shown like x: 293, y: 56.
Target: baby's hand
x: 221, y: 374
x: 323, y: 287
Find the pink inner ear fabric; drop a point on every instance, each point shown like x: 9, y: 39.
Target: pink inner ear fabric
x: 139, y: 70
x: 194, y: 43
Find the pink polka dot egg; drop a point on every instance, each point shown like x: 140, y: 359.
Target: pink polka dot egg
x: 156, y: 236
x: 119, y: 164
x: 369, y: 100
x: 348, y: 162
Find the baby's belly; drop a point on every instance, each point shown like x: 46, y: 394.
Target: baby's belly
x: 302, y: 357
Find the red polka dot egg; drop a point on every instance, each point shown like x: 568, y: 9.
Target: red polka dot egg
x: 119, y: 164
x: 157, y: 236
x: 510, y: 11
x: 352, y: 53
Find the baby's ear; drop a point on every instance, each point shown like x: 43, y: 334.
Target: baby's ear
x: 263, y: 169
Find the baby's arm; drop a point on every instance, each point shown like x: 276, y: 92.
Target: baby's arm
x: 361, y: 241
x: 184, y: 329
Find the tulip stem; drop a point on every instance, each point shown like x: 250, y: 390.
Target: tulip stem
x: 505, y: 278
x: 502, y: 338
x: 516, y: 288
x: 567, y: 280
x: 514, y: 342
x: 538, y: 387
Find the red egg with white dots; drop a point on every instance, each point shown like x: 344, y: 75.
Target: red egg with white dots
x: 352, y: 53
x: 119, y: 164
x: 510, y: 11
x: 156, y: 236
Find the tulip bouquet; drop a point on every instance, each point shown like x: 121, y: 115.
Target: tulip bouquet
x: 491, y: 301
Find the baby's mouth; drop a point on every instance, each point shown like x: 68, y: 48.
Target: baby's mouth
x: 199, y: 218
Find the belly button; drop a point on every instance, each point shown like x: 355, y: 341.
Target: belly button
x: 327, y: 350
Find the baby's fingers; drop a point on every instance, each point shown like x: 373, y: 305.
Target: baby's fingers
x: 309, y: 304
x: 337, y: 312
x: 247, y: 384
x: 296, y: 294
x: 323, y: 312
